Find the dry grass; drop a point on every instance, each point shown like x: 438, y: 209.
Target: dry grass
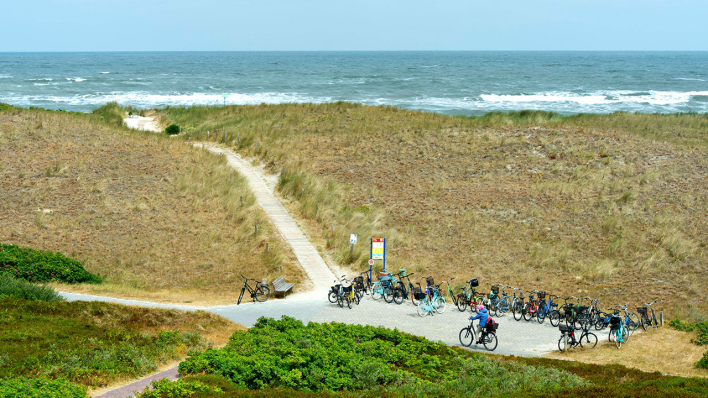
x: 657, y: 350
x: 157, y: 218
x: 611, y: 206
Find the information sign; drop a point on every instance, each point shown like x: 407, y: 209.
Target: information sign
x: 352, y: 239
x: 377, y: 249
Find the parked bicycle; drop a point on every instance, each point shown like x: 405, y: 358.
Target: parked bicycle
x: 648, y: 319
x: 433, y: 300
x: 618, y: 330
x: 260, y: 293
x: 567, y: 340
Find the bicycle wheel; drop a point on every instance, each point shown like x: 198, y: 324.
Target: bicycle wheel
x: 332, y: 297
x: 625, y: 334
x: 612, y: 336
x: 541, y: 316
x: 503, y: 307
x: 645, y: 321
x: 554, y: 318
x: 490, y: 341
x: 461, y: 303
x: 588, y: 340
x: 388, y: 295
x: 517, y: 309
x: 562, y: 343
x: 528, y: 314
x: 356, y: 299
x: 262, y: 293
x: 397, y: 296
x: 466, y: 336
x: 240, y: 296
x: 376, y: 291
x: 654, y: 322
x: 423, y: 307
x: 633, y: 322
x: 349, y: 302
x: 440, y: 304
x: 618, y: 342
x: 600, y: 324
x: 340, y: 300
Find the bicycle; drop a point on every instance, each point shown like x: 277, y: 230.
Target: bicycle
x: 618, y: 330
x: 469, y: 296
x: 489, y: 336
x: 631, y: 320
x: 547, y: 309
x: 347, y: 293
x: 260, y: 293
x: 433, y: 300
x: 587, y: 339
x: 531, y: 307
x: 517, y: 304
x: 648, y: 319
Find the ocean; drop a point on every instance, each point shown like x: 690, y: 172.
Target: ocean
x: 457, y: 83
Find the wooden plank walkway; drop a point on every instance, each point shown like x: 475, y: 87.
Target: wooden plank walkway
x: 310, y: 260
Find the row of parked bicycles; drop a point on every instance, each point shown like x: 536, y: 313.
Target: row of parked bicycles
x: 569, y: 314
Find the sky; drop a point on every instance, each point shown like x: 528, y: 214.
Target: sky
x: 354, y: 25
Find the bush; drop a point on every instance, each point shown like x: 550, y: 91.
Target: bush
x: 339, y: 357
x: 38, y: 266
x: 111, y: 113
x: 22, y: 289
x: 20, y: 387
x: 6, y: 107
x: 179, y: 388
x: 172, y: 129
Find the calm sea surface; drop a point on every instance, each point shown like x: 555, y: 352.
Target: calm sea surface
x: 467, y: 83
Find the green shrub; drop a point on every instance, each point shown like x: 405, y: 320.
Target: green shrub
x: 179, y: 388
x: 111, y: 113
x: 338, y: 357
x: 39, y: 266
x: 18, y: 288
x: 20, y: 387
x: 172, y: 129
x: 701, y: 328
x: 6, y: 107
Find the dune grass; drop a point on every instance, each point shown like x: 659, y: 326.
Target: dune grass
x: 602, y: 205
x: 157, y: 219
x: 19, y: 288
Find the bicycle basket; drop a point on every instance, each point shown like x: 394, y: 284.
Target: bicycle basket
x: 347, y: 289
x: 495, y: 289
x: 642, y: 310
x: 492, y: 295
x: 492, y: 327
x: 474, y: 282
x: 565, y: 329
x: 541, y: 295
x: 615, y: 323
x: 403, y: 272
x: 431, y: 281
x: 359, y: 280
x: 419, y: 295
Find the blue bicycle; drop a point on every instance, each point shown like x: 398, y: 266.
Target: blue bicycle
x: 618, y: 331
x: 431, y: 302
x: 547, y: 308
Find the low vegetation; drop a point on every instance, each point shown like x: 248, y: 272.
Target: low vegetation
x: 701, y: 330
x: 20, y: 288
x: 288, y: 359
x: 38, y: 266
x: 608, y: 206
x: 159, y: 220
x: 93, y: 344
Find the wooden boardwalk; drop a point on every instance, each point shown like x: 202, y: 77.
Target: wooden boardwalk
x: 310, y: 260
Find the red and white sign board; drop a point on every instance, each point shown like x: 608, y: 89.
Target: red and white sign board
x: 377, y: 249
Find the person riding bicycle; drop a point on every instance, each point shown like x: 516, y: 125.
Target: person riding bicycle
x: 482, y: 315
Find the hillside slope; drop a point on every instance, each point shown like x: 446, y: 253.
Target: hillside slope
x: 155, y: 217
x: 611, y: 206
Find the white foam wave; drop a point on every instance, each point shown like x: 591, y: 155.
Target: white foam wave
x: 42, y: 79
x: 601, y: 97
x: 145, y: 99
x: 105, y: 73
x: 5, y: 76
x: 690, y: 79
x: 76, y: 79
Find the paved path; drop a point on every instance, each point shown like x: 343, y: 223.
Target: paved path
x: 317, y: 270
x: 129, y: 390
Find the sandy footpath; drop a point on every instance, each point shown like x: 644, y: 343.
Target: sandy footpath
x: 142, y: 123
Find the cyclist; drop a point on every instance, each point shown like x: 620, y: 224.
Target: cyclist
x: 482, y: 315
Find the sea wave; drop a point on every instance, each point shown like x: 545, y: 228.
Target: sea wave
x: 601, y: 97
x: 146, y: 99
x: 690, y: 79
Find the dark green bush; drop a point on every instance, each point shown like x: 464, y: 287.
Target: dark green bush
x: 172, y: 129
x: 6, y: 107
x: 701, y: 328
x: 20, y: 387
x: 337, y: 357
x: 39, y: 266
x: 18, y: 288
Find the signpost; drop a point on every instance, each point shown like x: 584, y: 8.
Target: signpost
x: 352, y: 241
x: 378, y: 252
x: 224, y: 95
